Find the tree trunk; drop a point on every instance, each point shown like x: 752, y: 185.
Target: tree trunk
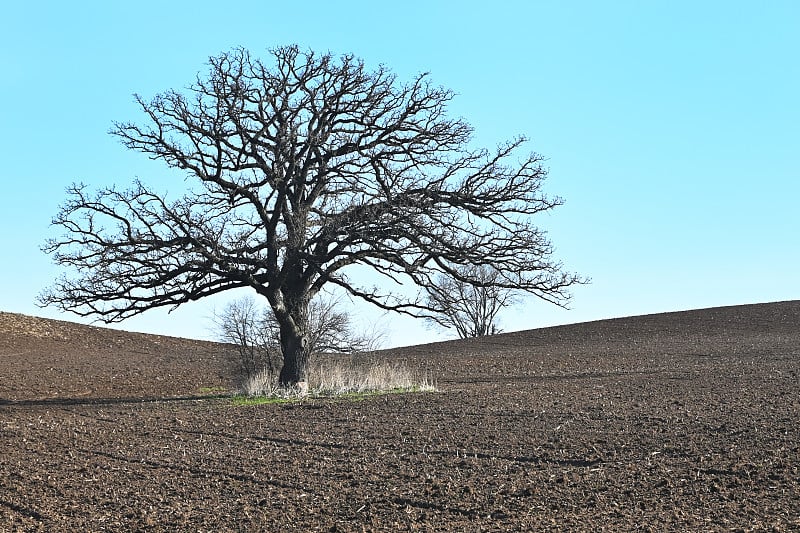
x: 292, y: 317
x: 295, y: 359
x: 294, y: 345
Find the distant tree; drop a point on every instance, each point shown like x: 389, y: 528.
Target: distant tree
x: 469, y: 308
x: 296, y: 174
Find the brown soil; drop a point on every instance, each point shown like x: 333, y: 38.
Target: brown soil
x: 682, y: 421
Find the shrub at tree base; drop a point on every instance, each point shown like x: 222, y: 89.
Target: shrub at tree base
x: 336, y: 376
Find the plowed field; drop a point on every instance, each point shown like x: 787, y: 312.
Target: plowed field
x: 681, y: 421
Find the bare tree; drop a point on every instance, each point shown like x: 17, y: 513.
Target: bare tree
x: 331, y: 329
x: 298, y: 173
x: 255, y: 332
x: 470, y: 309
x: 243, y: 323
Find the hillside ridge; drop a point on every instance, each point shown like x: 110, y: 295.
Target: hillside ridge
x: 781, y: 314
x: 50, y: 328
x: 45, y: 358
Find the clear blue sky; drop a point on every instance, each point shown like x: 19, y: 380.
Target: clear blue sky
x: 672, y: 129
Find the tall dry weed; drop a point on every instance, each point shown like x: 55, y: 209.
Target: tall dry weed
x: 341, y: 375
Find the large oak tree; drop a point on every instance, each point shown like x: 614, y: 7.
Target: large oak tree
x: 298, y: 171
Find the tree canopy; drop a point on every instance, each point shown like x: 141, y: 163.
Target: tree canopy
x: 297, y: 172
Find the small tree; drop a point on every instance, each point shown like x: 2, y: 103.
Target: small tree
x: 297, y: 174
x: 243, y: 323
x: 470, y: 309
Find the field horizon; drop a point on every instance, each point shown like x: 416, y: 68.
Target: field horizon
x: 30, y: 333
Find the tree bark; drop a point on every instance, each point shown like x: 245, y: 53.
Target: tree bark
x: 295, y: 357
x: 294, y: 338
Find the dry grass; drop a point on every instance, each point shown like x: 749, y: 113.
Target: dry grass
x: 332, y: 376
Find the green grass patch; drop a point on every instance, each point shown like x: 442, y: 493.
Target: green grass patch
x: 212, y: 390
